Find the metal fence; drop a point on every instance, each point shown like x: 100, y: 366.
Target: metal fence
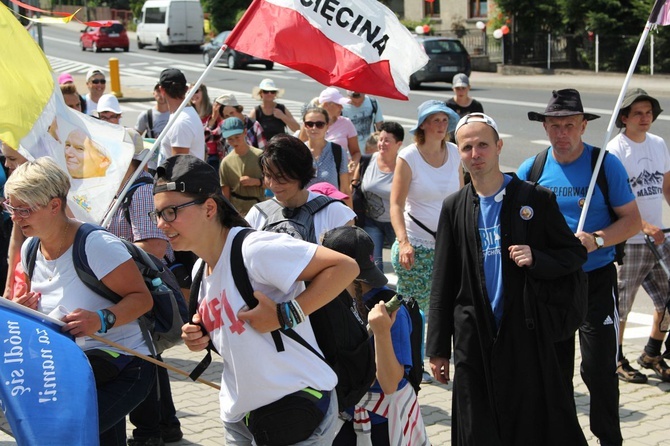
x: 585, y: 51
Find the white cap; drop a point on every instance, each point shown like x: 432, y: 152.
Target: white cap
x: 92, y: 72
x: 332, y: 94
x: 109, y: 103
x: 476, y: 117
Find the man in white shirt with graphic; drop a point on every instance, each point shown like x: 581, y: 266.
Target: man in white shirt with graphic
x: 647, y: 161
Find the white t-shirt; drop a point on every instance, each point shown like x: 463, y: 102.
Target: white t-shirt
x: 340, y: 131
x: 187, y: 131
x: 646, y: 163
x: 254, y: 373
x: 330, y: 217
x: 67, y: 290
x: 91, y: 107
x: 428, y: 188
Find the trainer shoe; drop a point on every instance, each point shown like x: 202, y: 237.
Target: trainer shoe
x: 628, y: 374
x: 426, y: 378
x: 657, y: 364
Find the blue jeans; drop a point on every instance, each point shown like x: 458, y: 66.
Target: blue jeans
x: 118, y: 397
x: 238, y: 434
x: 380, y: 233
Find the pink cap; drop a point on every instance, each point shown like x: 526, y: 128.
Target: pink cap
x: 329, y: 190
x: 65, y: 78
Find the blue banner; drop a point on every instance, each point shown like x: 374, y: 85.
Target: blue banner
x: 47, y: 388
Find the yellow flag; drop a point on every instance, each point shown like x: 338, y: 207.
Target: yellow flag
x: 27, y: 83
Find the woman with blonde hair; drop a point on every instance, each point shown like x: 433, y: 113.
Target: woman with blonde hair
x: 36, y: 199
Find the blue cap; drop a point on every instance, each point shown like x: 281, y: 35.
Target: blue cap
x: 232, y: 126
x: 431, y: 107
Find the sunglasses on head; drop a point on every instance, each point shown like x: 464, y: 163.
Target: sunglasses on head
x: 268, y: 92
x: 317, y: 124
x: 98, y: 81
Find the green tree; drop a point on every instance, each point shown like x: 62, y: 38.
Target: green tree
x: 225, y: 14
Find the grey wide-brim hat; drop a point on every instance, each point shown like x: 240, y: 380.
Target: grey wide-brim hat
x: 636, y: 95
x: 565, y: 102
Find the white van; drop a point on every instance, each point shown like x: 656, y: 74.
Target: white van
x: 169, y: 23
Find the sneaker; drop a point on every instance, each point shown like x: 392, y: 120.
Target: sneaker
x: 657, y: 364
x: 628, y: 374
x: 152, y: 441
x: 426, y: 378
x: 171, y: 434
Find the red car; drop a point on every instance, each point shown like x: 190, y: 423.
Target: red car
x: 99, y: 37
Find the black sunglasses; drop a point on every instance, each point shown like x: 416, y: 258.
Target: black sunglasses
x: 317, y: 124
x: 99, y: 81
x: 268, y: 92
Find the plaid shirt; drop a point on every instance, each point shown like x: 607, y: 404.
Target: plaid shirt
x: 140, y: 226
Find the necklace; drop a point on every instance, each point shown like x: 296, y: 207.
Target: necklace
x: 431, y: 162
x: 52, y: 273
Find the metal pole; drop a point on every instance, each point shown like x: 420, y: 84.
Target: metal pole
x: 549, y: 51
x: 597, y: 51
x: 651, y: 55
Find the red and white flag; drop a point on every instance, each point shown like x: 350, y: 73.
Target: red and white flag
x: 357, y: 45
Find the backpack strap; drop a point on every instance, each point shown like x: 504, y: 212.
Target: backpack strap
x: 375, y: 107
x: 422, y: 226
x: 337, y: 154
x: 601, y: 181
x: 268, y: 209
x: 192, y: 310
x: 242, y: 282
x: 128, y: 198
x: 318, y: 203
x: 538, y: 166
x: 150, y: 123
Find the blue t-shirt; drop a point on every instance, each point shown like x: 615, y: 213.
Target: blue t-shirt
x: 400, y: 337
x: 570, y: 183
x: 489, y: 235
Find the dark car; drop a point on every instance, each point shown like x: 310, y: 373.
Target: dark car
x: 99, y: 37
x: 234, y: 59
x: 447, y: 57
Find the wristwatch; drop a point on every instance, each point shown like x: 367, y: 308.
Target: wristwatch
x: 107, y: 319
x: 599, y: 240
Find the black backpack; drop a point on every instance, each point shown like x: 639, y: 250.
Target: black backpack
x: 415, y: 373
x: 297, y: 222
x: 559, y: 305
x: 340, y: 333
x: 163, y: 322
x: 601, y: 181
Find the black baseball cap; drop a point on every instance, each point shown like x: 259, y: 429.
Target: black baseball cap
x: 187, y: 174
x: 357, y: 244
x: 172, y: 76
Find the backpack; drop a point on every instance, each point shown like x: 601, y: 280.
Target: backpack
x: 415, y: 373
x: 183, y: 262
x: 339, y: 332
x: 601, y: 181
x: 297, y: 222
x: 163, y: 322
x: 560, y: 304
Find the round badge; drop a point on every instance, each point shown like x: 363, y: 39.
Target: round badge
x: 581, y: 202
x: 526, y: 212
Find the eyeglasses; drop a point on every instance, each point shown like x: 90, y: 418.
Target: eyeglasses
x: 99, y: 81
x: 169, y: 214
x: 268, y: 92
x: 20, y: 212
x: 108, y: 117
x: 317, y: 124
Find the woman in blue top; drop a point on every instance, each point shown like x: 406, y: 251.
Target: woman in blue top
x: 315, y: 120
x: 389, y: 413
